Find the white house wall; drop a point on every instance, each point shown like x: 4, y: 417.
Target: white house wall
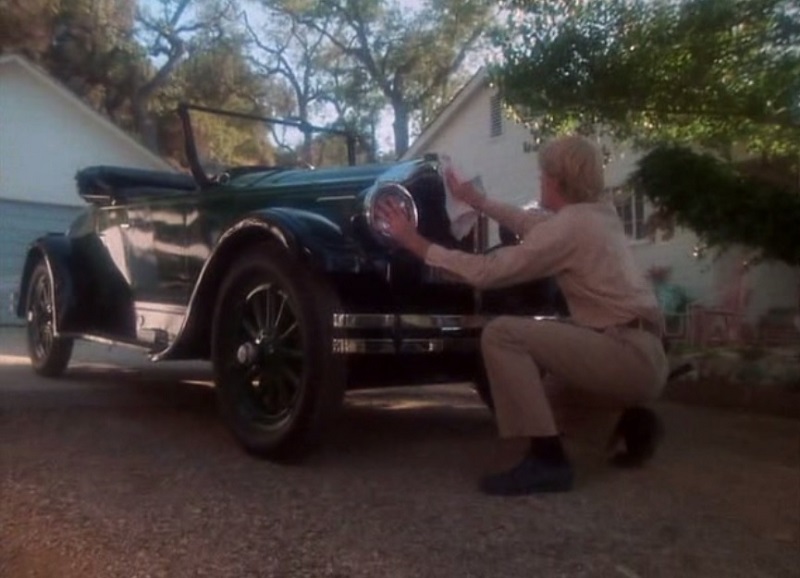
x: 46, y: 138
x: 771, y: 285
x: 508, y: 172
x: 508, y: 166
x: 775, y: 286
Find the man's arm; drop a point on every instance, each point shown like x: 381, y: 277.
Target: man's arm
x: 542, y: 254
x: 471, y: 192
x: 516, y: 219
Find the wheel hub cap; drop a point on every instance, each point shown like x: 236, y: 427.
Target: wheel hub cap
x: 247, y: 354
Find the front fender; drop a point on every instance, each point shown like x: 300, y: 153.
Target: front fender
x: 309, y: 237
x: 312, y: 237
x: 56, y: 252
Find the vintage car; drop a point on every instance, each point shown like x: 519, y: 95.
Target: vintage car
x: 280, y: 276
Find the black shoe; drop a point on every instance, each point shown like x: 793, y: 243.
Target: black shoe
x: 530, y: 476
x: 641, y: 430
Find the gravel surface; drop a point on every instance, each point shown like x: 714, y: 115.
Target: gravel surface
x: 122, y: 469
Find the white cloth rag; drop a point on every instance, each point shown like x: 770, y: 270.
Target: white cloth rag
x: 462, y: 217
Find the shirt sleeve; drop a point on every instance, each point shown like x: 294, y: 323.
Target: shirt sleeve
x: 544, y: 251
x: 516, y: 219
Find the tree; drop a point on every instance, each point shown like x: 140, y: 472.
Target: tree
x: 408, y: 58
x: 299, y: 58
x: 724, y: 76
x: 136, y: 65
x: 170, y: 31
x: 358, y: 106
x: 725, y: 205
x: 321, y: 85
x: 700, y: 71
x: 223, y: 140
x: 26, y: 26
x: 86, y: 44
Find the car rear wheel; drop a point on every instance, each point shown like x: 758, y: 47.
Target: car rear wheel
x: 278, y: 380
x: 49, y: 354
x: 483, y: 388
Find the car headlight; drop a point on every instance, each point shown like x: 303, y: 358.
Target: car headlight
x: 377, y: 195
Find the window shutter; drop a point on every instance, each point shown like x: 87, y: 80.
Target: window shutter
x: 496, y: 114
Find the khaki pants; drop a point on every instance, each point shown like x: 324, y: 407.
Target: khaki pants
x: 617, y: 368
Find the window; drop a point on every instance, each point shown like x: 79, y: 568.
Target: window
x: 631, y: 210
x: 496, y: 116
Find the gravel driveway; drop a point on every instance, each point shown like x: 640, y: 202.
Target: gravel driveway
x: 122, y: 469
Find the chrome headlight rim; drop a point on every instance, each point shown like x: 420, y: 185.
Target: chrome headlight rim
x: 371, y: 202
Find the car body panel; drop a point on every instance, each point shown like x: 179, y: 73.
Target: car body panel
x: 143, y: 265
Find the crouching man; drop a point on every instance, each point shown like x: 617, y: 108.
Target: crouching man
x: 610, y: 347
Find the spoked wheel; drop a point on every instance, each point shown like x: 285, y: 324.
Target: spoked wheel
x: 270, y: 355
x: 49, y: 354
x: 278, y: 381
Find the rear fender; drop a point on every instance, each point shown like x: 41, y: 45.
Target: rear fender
x: 89, y: 294
x: 56, y: 252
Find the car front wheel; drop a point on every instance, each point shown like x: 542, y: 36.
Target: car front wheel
x: 278, y: 381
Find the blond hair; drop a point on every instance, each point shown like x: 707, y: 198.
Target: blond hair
x: 575, y: 163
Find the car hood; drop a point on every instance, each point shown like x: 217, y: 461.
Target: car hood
x: 360, y: 176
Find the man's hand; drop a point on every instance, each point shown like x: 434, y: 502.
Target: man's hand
x: 400, y: 228
x: 464, y: 191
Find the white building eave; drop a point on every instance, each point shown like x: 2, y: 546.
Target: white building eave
x: 440, y: 122
x: 13, y: 60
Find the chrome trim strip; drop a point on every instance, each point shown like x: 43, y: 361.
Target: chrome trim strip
x: 443, y: 322
x: 409, y: 321
x: 106, y: 341
x: 337, y: 198
x: 168, y: 308
x: 363, y: 320
x: 351, y: 346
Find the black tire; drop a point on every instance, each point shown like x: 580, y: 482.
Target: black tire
x: 278, y: 381
x: 483, y: 388
x: 49, y: 354
x: 641, y: 431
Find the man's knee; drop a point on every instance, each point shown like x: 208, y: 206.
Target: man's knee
x: 498, y: 332
x: 512, y: 331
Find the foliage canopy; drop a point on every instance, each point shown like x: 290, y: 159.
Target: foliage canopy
x: 708, y: 72
x: 409, y: 58
x: 718, y: 76
x: 727, y: 207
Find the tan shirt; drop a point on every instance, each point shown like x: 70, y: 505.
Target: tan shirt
x: 583, y: 246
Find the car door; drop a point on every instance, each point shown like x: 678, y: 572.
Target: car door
x: 156, y: 244
x: 146, y: 241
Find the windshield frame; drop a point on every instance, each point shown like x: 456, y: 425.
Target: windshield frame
x: 204, y: 179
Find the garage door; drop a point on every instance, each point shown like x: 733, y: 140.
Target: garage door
x: 21, y: 223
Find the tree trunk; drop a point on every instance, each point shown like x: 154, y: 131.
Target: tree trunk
x: 400, y: 127
x: 306, y: 147
x: 143, y: 123
x: 372, y: 152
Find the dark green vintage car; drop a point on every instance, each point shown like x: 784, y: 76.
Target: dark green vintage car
x: 280, y: 276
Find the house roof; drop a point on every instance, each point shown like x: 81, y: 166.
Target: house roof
x: 14, y: 60
x: 440, y: 121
